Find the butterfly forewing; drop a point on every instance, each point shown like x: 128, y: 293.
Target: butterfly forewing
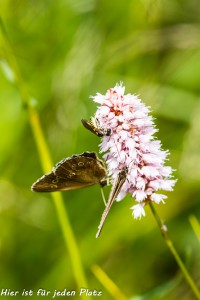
x: 71, y: 173
x: 118, y: 183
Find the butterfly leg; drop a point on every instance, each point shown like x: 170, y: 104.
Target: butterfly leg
x: 103, y: 196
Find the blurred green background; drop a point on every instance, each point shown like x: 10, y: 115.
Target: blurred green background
x: 66, y: 51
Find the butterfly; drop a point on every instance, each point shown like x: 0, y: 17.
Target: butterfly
x: 116, y: 188
x: 94, y: 126
x: 75, y: 172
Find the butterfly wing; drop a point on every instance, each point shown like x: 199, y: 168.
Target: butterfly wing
x: 71, y: 173
x: 117, y: 186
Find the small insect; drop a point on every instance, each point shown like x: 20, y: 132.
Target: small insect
x: 116, y: 188
x: 75, y: 172
x: 94, y: 126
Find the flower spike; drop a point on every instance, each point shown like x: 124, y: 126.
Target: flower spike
x: 132, y: 146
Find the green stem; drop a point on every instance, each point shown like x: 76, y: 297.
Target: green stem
x: 46, y: 161
x: 195, y: 226
x: 164, y: 232
x: 112, y: 288
x: 58, y: 200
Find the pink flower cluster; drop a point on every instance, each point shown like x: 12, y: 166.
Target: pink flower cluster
x: 132, y: 144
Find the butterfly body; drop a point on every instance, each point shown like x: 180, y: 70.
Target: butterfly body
x: 77, y: 171
x: 94, y: 126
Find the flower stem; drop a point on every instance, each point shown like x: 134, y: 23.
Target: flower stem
x: 45, y: 158
x: 164, y: 232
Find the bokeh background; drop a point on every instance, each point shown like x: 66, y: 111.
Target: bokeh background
x: 66, y: 51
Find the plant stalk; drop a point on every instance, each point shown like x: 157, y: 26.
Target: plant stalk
x: 165, y: 235
x: 45, y: 157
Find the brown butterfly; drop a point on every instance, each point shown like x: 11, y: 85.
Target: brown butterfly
x: 75, y: 172
x: 116, y: 188
x: 94, y: 126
